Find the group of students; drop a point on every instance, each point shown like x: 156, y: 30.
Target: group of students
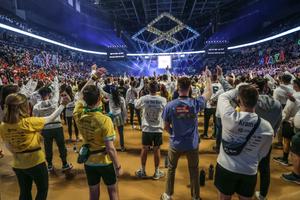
x: 248, y: 112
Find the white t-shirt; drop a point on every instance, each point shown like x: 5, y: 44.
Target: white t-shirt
x: 152, y: 107
x: 235, y: 128
x: 281, y: 92
x: 215, y: 88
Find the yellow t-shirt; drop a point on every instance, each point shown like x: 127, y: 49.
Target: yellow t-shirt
x: 95, y: 128
x: 24, y: 136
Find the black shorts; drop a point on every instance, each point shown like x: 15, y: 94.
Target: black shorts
x: 95, y: 173
x: 229, y: 182
x: 287, y: 130
x: 152, y: 139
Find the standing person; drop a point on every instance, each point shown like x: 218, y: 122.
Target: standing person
x: 291, y: 108
x: 152, y: 107
x: 181, y: 122
x: 210, y: 108
x: 281, y: 94
x: 294, y: 176
x: 21, y: 134
x: 131, y: 96
x: 69, y: 115
x: 98, y: 134
x: 246, y: 139
x: 269, y: 109
x: 117, y: 108
x: 53, y: 130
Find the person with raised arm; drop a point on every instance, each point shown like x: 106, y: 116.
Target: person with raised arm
x: 246, y: 139
x: 98, y: 135
x: 21, y: 135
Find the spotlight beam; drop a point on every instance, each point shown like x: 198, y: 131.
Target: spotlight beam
x: 6, y: 27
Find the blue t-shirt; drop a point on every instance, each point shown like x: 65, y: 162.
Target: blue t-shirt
x: 182, y: 114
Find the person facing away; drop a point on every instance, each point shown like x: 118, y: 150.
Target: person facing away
x: 237, y: 173
x: 152, y: 107
x: 98, y: 134
x: 181, y: 122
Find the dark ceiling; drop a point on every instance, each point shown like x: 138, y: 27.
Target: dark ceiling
x: 133, y: 14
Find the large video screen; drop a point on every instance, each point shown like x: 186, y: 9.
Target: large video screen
x: 164, y: 62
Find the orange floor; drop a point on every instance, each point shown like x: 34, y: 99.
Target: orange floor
x: 132, y: 188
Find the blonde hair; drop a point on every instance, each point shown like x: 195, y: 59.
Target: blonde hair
x: 16, y: 107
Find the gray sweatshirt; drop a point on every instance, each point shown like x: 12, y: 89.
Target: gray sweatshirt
x: 269, y: 109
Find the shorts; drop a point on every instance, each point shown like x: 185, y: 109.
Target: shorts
x: 287, y: 130
x: 95, y: 173
x: 228, y: 182
x: 295, y: 147
x: 152, y: 139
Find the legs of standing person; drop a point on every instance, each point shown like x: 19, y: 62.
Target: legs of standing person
x: 60, y: 142
x: 296, y: 163
x: 76, y: 130
x: 25, y: 184
x: 138, y: 114
x: 39, y: 175
x: 94, y: 192
x: 156, y: 151
x: 131, y: 112
x: 193, y: 164
x: 48, y: 143
x: 144, y: 155
x: 121, y: 135
x: 70, y: 124
x: 206, y: 121
x: 173, y: 156
x: 264, y: 170
x: 214, y: 121
x: 113, y: 192
x: 287, y: 133
x: 218, y: 133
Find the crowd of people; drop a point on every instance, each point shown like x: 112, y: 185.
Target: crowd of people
x: 252, y: 100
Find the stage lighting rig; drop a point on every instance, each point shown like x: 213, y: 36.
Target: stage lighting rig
x: 161, y: 36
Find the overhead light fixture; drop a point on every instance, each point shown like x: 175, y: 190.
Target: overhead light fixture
x: 293, y: 30
x: 6, y: 27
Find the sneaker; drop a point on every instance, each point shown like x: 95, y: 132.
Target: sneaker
x: 67, y: 167
x: 259, y: 197
x: 123, y: 149
x: 158, y: 174
x: 278, y: 145
x: 164, y: 196
x: 204, y: 136
x: 50, y: 168
x: 281, y: 161
x: 140, y: 173
x: 291, y: 177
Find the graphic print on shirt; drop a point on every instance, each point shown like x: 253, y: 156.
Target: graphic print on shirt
x: 153, y: 111
x: 184, y: 112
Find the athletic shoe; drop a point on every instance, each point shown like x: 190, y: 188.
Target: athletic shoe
x: 259, y: 197
x: 50, y: 168
x: 67, y: 166
x: 140, y: 173
x: 158, y: 174
x: 281, y: 161
x: 164, y: 196
x: 204, y: 136
x: 291, y: 177
x: 278, y: 145
x: 196, y: 199
x: 123, y: 149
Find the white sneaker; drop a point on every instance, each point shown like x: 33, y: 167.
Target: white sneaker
x: 164, y: 196
x: 140, y: 173
x: 158, y: 174
x: 259, y: 197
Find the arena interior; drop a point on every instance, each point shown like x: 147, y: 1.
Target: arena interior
x: 149, y: 99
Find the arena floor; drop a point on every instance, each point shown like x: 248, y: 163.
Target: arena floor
x: 132, y: 188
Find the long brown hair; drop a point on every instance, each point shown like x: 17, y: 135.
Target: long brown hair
x: 16, y: 108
